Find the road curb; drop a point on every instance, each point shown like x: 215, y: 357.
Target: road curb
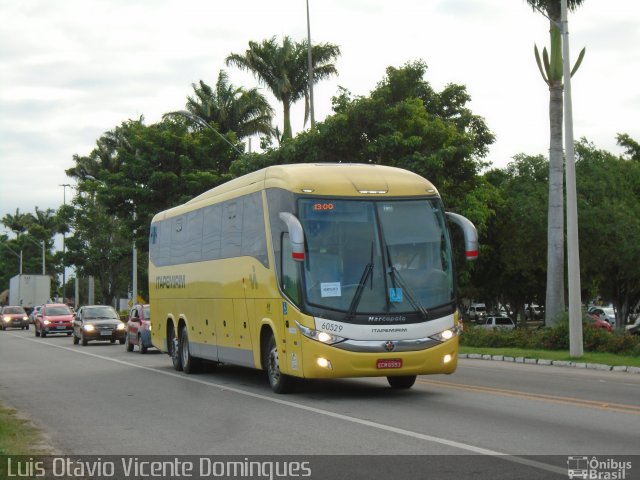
x: 555, y: 363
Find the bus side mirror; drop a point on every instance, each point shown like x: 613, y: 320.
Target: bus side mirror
x: 470, y: 234
x: 296, y: 235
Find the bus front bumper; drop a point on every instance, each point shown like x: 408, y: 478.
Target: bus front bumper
x: 325, y: 361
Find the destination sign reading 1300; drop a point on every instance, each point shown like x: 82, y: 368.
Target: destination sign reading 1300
x: 323, y: 207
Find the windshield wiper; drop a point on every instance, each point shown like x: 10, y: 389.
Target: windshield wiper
x: 368, y: 269
x: 396, y: 277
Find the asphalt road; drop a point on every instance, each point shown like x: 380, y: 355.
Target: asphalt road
x: 101, y: 400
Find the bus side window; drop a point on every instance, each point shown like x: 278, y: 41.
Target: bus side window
x: 290, y: 271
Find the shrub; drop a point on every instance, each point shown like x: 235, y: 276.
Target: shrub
x: 552, y: 338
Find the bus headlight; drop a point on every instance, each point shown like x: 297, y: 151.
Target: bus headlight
x: 322, y: 337
x: 445, y: 335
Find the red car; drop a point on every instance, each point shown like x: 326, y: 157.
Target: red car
x: 139, y: 328
x: 13, y: 317
x: 54, y: 318
x: 598, y: 322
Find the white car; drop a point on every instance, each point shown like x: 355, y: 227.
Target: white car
x: 34, y: 312
x: 476, y: 311
x: 496, y: 322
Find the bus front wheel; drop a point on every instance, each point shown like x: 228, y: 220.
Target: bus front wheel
x: 172, y: 349
x: 280, y: 383
x: 402, y: 382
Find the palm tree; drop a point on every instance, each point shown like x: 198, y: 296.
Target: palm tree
x: 18, y: 223
x: 284, y: 70
x: 45, y: 219
x: 245, y: 112
x: 552, y: 75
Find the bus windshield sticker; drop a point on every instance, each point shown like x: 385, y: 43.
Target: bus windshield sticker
x: 395, y: 295
x: 330, y: 289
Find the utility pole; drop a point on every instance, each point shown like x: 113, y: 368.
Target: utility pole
x: 310, y: 61
x: 573, y: 253
x: 64, y: 235
x: 134, y: 281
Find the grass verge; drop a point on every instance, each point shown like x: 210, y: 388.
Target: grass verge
x: 588, y: 357
x: 18, y: 436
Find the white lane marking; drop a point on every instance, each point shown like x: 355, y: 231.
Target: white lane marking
x: 327, y: 413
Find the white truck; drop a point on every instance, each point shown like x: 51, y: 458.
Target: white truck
x: 29, y: 290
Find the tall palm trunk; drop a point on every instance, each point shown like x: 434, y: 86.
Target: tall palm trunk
x: 555, y: 299
x: 287, y: 133
x: 551, y: 70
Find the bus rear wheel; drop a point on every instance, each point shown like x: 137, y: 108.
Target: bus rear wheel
x: 403, y: 382
x: 172, y: 349
x: 280, y: 383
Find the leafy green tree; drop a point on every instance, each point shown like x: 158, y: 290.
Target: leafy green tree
x: 97, y: 246
x: 632, y: 148
x: 551, y: 70
x: 235, y: 109
x: 136, y: 172
x: 284, y: 70
x: 512, y: 264
x: 609, y: 215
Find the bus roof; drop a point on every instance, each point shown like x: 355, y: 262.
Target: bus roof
x: 335, y: 179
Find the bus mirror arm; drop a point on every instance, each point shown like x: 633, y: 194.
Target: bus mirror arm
x: 470, y: 234
x: 296, y: 235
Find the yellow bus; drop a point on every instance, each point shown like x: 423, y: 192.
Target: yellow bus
x: 309, y: 271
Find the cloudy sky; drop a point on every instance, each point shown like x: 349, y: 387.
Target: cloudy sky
x: 72, y: 69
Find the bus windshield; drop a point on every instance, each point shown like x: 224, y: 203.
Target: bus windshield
x: 376, y: 256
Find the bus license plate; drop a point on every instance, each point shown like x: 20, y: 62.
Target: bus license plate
x: 389, y: 363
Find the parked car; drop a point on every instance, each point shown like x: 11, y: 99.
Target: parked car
x: 476, y: 311
x: 139, y: 328
x: 99, y: 323
x: 13, y: 317
x: 605, y: 313
x: 494, y: 322
x: 34, y: 312
x: 634, y: 328
x: 54, y: 318
x: 533, y: 312
x: 598, y: 322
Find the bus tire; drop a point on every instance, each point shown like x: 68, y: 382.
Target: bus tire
x: 172, y: 348
x: 189, y: 363
x: 402, y: 383
x: 280, y: 383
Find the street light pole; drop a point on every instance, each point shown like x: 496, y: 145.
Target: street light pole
x: 310, y: 62
x: 202, y: 122
x: 134, y: 281
x: 16, y: 254
x: 38, y: 244
x: 64, y: 266
x: 573, y: 254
